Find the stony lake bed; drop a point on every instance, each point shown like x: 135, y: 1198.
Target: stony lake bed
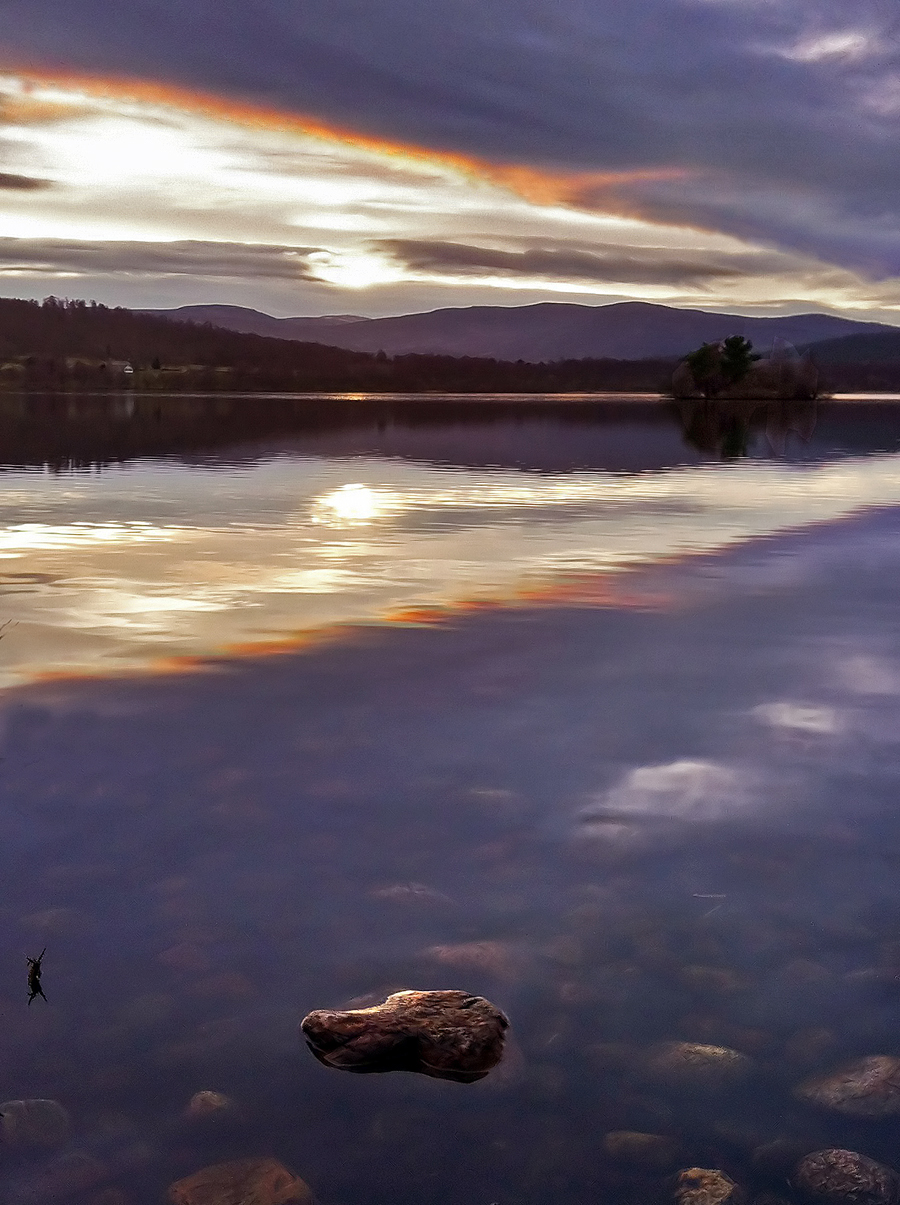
x: 594, y: 718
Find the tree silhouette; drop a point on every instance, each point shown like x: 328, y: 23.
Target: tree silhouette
x: 704, y: 365
x: 738, y: 358
x: 715, y: 366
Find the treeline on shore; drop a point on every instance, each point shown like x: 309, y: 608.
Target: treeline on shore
x: 80, y: 345
x: 77, y: 345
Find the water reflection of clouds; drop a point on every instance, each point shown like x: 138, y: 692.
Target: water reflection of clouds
x: 865, y: 674
x: 21, y: 538
x: 688, y: 790
x: 805, y: 718
x: 152, y: 558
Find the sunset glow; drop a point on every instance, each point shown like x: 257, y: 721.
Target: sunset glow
x: 139, y: 192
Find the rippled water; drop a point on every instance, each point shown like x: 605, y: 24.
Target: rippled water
x: 117, y: 557
x: 587, y: 706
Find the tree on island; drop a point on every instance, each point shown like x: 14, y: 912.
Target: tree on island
x: 716, y: 366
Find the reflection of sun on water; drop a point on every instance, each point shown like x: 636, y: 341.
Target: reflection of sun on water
x: 104, y: 571
x: 352, y: 503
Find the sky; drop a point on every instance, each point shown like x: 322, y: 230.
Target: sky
x: 383, y: 156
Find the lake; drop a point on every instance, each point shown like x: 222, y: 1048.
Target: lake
x: 585, y: 705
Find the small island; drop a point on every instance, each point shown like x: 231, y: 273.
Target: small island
x: 731, y: 370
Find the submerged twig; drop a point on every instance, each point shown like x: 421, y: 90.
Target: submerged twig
x: 34, y: 976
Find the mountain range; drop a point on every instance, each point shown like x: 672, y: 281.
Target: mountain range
x: 548, y: 331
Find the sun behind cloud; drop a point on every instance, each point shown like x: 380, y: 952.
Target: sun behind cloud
x: 146, y: 194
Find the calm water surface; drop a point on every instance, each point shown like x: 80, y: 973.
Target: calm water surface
x: 588, y: 706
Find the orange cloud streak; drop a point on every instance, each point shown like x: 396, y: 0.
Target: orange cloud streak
x: 532, y: 184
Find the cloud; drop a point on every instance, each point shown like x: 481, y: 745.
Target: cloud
x: 54, y: 257
x: 614, y: 263
x: 16, y: 183
x: 861, y: 232
x: 137, y: 165
x: 749, y: 100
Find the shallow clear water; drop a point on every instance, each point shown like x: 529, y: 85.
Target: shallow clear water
x: 644, y: 791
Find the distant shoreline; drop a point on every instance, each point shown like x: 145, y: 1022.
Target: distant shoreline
x: 472, y: 397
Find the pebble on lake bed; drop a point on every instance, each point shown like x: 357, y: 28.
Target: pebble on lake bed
x: 691, y: 1065
x: 867, y: 1087
x: 778, y: 1158
x: 33, y: 1123
x: 445, y: 1034
x: 712, y: 981
x: 484, y: 957
x: 640, y: 1150
x: 69, y: 1175
x: 241, y: 1182
x: 209, y: 1104
x: 835, y: 1177
x: 707, y: 1186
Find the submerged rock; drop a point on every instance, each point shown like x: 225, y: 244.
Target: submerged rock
x: 692, y: 1065
x: 777, y: 1159
x: 809, y: 1046
x: 487, y: 957
x: 448, y: 1035
x: 712, y: 981
x: 836, y: 1176
x: 640, y: 1150
x: 210, y: 1114
x: 410, y: 893
x: 242, y: 1182
x: 33, y: 1123
x: 868, y: 1087
x: 68, y: 1175
x: 707, y: 1186
x: 207, y: 1104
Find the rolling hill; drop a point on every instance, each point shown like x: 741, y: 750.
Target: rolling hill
x: 881, y: 347
x: 548, y: 331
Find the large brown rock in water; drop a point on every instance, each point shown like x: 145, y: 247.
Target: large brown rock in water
x: 242, y: 1182
x: 836, y: 1176
x: 448, y: 1035
x: 868, y: 1087
x: 707, y: 1186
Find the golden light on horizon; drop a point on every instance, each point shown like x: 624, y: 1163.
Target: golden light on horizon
x: 106, y: 160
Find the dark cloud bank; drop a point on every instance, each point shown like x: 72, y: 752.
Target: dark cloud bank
x: 13, y: 182
x: 188, y: 257
x: 197, y: 258
x: 782, y: 112
x: 615, y: 264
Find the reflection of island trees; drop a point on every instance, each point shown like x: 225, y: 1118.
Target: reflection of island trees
x: 725, y: 428
x: 66, y: 431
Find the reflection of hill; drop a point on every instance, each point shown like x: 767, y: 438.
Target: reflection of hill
x: 84, y: 430
x: 80, y: 430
